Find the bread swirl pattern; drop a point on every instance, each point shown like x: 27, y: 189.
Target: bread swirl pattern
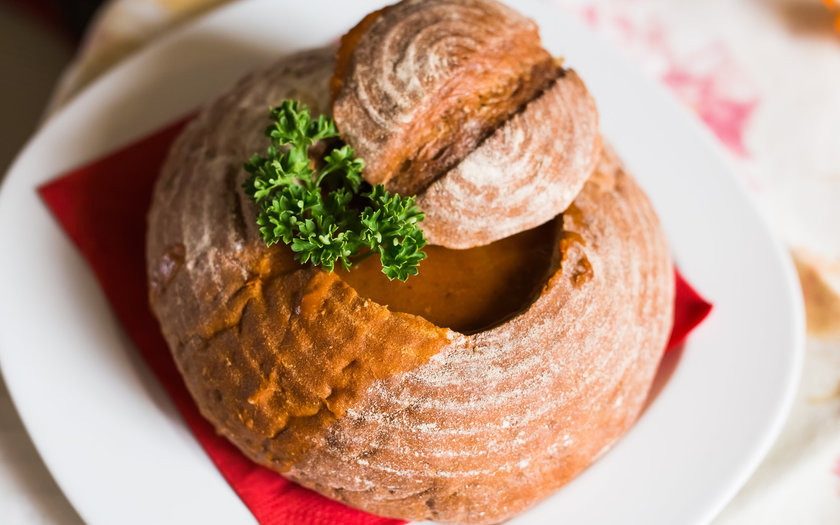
x: 421, y: 83
x: 523, y: 175
x: 456, y: 101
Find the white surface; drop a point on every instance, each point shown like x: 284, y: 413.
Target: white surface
x: 121, y: 453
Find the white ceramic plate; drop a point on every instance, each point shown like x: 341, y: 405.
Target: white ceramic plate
x: 121, y: 453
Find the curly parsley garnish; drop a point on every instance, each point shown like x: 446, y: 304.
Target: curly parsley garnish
x: 329, y: 214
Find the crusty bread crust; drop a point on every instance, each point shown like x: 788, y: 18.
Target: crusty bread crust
x: 385, y: 411
x: 423, y: 82
x: 457, y: 102
x: 523, y: 175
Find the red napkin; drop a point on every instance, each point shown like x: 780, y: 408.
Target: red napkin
x: 102, y: 207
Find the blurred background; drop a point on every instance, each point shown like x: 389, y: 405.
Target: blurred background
x: 762, y: 75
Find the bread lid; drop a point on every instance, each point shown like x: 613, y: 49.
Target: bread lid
x: 457, y: 102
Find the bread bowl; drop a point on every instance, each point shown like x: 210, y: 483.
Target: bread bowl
x: 385, y: 396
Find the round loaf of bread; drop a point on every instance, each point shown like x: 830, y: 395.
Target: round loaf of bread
x: 384, y: 410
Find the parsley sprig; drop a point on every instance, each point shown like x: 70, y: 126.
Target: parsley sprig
x: 330, y: 214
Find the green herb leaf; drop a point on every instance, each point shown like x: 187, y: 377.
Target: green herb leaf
x: 330, y: 215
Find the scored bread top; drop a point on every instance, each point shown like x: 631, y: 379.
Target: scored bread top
x: 523, y: 175
x: 456, y: 101
x: 419, y: 84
